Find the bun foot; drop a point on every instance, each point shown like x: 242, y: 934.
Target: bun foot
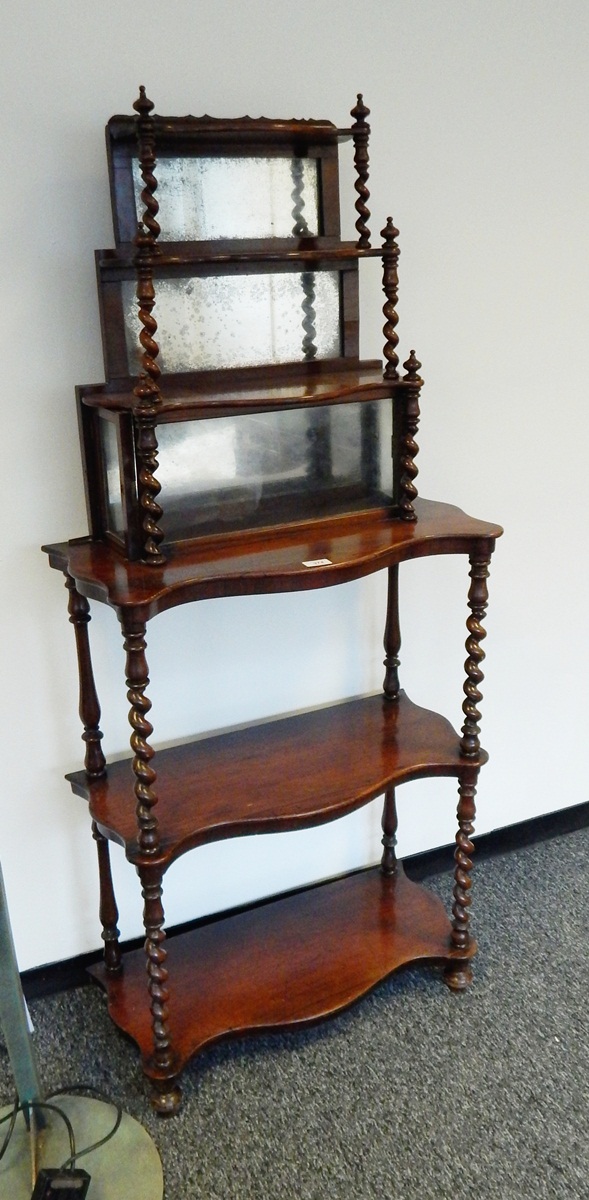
x: 166, y: 1098
x: 458, y: 977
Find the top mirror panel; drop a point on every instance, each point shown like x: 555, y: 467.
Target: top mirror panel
x: 243, y: 179
x: 206, y: 199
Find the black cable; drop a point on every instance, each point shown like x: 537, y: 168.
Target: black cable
x: 11, y: 1116
x: 81, y: 1088
x: 35, y: 1104
x: 53, y: 1108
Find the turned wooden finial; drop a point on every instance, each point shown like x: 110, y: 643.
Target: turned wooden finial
x: 390, y: 283
x: 412, y: 367
x: 360, y: 134
x: 142, y: 104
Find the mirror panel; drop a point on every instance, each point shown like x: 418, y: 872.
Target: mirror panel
x: 204, y: 199
x: 220, y: 321
x: 112, y: 475
x: 230, y: 473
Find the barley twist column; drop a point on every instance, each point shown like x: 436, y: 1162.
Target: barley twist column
x: 478, y: 598
x: 409, y: 448
x: 147, y: 390
x: 166, y: 1096
x: 390, y: 283
x: 145, y: 775
x: 458, y: 975
x: 360, y: 134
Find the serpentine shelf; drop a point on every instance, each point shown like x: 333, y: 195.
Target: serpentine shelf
x: 294, y: 559
x: 291, y: 961
x: 357, y: 748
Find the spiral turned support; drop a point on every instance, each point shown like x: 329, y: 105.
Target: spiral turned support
x: 309, y: 345
x: 300, y: 227
x: 390, y: 283
x: 360, y: 134
x: 478, y: 597
x: 458, y: 975
x: 166, y: 1095
x: 149, y: 487
x: 145, y: 775
x: 409, y: 448
x: 148, y: 231
x: 147, y: 389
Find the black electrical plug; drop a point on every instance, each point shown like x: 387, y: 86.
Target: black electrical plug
x: 53, y: 1184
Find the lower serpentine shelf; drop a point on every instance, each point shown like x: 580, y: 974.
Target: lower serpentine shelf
x: 284, y: 963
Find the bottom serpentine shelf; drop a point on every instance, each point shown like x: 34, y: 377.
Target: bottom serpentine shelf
x: 295, y: 959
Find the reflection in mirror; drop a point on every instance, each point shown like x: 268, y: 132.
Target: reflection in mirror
x: 110, y: 458
x: 228, y: 473
x: 204, y: 199
x: 239, y: 320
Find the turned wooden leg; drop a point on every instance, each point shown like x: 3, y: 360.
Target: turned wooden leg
x: 109, y: 913
x: 89, y: 708
x: 166, y: 1096
x: 145, y: 775
x: 392, y: 636
x: 458, y: 975
x: 388, y: 864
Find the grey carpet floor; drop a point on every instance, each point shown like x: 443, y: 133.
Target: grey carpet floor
x: 413, y: 1093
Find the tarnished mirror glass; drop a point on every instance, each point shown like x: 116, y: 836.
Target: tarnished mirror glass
x: 112, y: 475
x: 239, y: 320
x: 230, y: 473
x: 204, y: 199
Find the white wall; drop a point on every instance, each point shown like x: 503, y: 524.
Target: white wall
x: 480, y: 152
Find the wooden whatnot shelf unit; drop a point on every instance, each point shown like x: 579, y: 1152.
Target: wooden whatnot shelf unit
x: 335, y: 500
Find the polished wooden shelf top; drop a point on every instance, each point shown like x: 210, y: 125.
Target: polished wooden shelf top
x: 296, y: 959
x: 309, y: 250
x: 254, y: 389
x: 283, y: 559
x: 264, y: 778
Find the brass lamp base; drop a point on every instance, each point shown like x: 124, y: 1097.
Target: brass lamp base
x: 127, y: 1165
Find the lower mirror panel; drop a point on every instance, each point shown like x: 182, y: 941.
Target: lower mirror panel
x: 232, y: 473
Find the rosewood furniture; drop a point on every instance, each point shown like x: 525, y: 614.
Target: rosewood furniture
x: 263, y: 455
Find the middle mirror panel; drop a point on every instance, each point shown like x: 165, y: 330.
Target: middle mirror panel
x: 214, y: 321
